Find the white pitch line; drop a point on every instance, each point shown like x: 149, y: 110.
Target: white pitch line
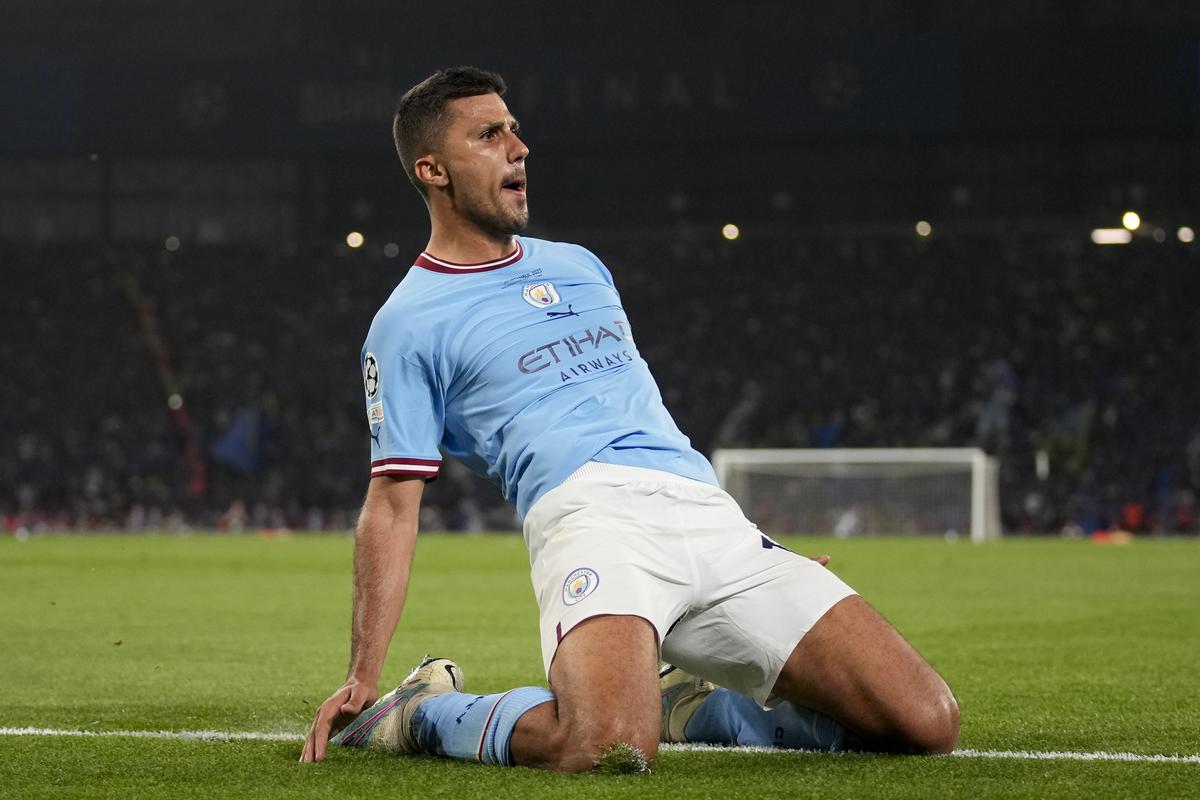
x: 197, y: 736
x: 262, y: 736
x: 1020, y: 755
x: 1069, y: 756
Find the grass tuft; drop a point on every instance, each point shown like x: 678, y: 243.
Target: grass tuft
x: 622, y: 758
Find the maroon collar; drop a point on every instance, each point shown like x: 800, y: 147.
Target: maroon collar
x: 451, y: 268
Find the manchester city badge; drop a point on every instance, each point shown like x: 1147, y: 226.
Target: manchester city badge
x: 579, y: 584
x: 540, y: 295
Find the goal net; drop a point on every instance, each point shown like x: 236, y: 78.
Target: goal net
x: 858, y: 492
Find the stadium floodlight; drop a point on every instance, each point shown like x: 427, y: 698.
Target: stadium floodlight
x: 868, y: 491
x: 1131, y: 220
x: 1111, y: 236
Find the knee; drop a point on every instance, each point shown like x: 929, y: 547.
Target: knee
x: 582, y: 750
x: 933, y: 728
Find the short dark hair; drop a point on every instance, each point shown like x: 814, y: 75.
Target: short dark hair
x: 421, y: 117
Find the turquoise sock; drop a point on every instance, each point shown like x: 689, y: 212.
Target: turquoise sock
x: 728, y: 718
x: 474, y: 727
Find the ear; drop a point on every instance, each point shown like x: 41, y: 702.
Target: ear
x: 431, y: 172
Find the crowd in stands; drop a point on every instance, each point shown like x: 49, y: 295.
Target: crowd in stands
x: 220, y: 388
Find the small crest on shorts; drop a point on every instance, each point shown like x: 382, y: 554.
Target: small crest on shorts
x: 579, y: 584
x: 541, y: 295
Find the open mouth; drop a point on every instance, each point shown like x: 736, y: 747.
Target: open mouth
x: 517, y: 185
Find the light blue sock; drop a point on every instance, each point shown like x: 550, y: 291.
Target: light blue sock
x: 474, y: 727
x: 728, y: 718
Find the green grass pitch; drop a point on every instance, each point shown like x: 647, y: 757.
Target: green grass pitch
x: 1049, y: 646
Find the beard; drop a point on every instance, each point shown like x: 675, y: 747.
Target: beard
x: 495, y: 218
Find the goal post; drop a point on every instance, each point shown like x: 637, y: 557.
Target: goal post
x: 865, y: 491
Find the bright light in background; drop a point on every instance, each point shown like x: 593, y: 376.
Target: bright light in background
x: 175, y: 402
x: 1111, y: 236
x: 172, y: 243
x: 1131, y: 220
x: 731, y: 231
x: 924, y: 228
x: 391, y: 249
x: 1186, y: 235
x: 354, y: 239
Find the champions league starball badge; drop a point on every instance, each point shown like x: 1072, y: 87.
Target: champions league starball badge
x: 579, y: 584
x: 370, y: 376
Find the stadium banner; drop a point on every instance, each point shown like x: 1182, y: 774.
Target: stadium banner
x: 749, y: 91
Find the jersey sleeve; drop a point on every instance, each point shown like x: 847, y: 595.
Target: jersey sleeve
x: 405, y: 412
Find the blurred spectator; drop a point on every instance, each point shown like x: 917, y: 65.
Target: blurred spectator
x: 1015, y: 344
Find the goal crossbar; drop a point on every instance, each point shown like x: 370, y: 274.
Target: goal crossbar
x: 984, y: 519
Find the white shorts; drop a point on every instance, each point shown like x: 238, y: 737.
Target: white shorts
x: 728, y: 603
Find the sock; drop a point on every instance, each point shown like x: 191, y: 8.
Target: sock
x: 729, y: 718
x: 474, y: 727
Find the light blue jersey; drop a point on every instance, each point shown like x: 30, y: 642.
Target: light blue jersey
x: 522, y: 368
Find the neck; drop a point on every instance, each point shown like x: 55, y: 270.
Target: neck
x: 464, y: 243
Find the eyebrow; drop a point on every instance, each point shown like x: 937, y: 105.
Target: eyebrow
x: 512, y: 122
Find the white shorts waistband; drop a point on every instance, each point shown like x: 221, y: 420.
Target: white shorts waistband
x: 623, y: 472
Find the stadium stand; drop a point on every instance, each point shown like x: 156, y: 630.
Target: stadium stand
x: 1018, y: 343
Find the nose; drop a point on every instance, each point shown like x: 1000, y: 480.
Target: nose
x: 517, y: 150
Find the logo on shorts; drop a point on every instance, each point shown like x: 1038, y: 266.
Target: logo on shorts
x: 540, y: 295
x: 579, y: 584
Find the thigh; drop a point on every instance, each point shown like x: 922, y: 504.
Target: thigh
x: 608, y: 666
x: 855, y: 667
x: 605, y: 682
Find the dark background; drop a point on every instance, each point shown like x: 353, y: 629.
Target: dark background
x: 787, y: 112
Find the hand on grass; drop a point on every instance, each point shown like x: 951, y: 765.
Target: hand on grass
x: 336, y: 713
x: 822, y: 560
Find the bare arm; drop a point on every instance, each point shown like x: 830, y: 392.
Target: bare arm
x: 383, y: 551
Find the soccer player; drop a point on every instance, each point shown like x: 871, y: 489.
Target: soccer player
x: 515, y: 356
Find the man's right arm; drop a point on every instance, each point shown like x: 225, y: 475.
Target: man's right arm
x: 383, y: 550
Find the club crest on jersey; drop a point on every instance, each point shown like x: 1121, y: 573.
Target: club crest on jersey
x: 370, y: 376
x: 540, y: 295
x: 579, y: 584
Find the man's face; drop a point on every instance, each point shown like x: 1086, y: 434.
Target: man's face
x: 485, y: 161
